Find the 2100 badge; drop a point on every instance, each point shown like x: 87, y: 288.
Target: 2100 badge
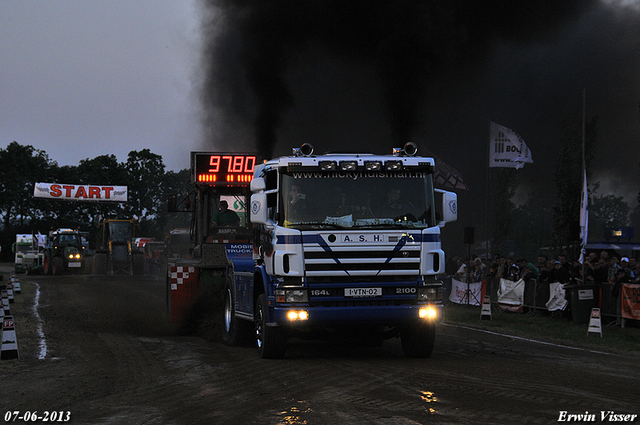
x: 54, y: 416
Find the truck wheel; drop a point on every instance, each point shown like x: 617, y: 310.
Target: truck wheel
x: 137, y: 263
x: 100, y: 263
x: 234, y: 331
x: 58, y: 266
x: 271, y: 341
x: 88, y: 264
x: 417, y: 340
x: 46, y: 264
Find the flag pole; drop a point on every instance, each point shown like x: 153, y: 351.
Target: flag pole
x: 583, y: 248
x: 584, y: 102
x: 486, y: 198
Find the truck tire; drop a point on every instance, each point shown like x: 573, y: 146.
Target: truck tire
x: 417, y: 340
x: 46, y: 264
x: 137, y: 263
x: 57, y: 266
x: 88, y: 264
x: 100, y: 263
x: 271, y: 341
x: 234, y: 331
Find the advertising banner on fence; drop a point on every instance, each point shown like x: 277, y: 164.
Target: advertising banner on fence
x: 459, y: 294
x: 557, y: 300
x: 630, y: 302
x: 511, y: 295
x: 80, y: 192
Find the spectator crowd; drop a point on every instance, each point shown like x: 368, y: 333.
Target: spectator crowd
x: 597, y: 269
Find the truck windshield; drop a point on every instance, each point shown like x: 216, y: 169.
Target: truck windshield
x: 69, y: 240
x: 357, y: 199
x: 120, y: 231
x: 23, y: 248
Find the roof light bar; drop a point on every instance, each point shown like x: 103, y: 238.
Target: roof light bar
x: 328, y: 166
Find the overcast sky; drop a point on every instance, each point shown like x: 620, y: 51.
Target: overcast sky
x: 83, y: 78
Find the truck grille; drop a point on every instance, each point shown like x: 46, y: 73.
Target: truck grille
x: 365, y: 261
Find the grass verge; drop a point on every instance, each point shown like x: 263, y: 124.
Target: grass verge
x: 545, y: 328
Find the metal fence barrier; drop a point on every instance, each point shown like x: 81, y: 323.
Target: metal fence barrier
x: 537, y: 294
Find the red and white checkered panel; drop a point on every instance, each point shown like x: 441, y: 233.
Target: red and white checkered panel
x: 185, y: 289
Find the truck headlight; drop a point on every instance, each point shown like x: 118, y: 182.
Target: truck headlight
x: 291, y: 296
x: 296, y: 296
x: 430, y: 293
x: 428, y: 312
x: 294, y: 315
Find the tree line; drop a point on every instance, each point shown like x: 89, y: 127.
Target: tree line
x: 548, y: 218
x: 149, y: 185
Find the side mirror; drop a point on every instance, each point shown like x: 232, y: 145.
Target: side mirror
x: 172, y: 204
x: 258, y: 184
x: 259, y: 208
x: 447, y: 206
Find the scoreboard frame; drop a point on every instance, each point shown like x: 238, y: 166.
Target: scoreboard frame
x: 226, y: 169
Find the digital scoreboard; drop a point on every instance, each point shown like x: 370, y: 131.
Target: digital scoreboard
x: 222, y: 169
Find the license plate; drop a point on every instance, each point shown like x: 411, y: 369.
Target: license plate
x: 363, y: 292
x: 74, y: 264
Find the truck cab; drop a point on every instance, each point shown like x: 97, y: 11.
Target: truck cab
x: 324, y: 244
x: 348, y: 241
x: 28, y: 250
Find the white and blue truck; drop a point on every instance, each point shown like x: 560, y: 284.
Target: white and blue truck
x: 329, y: 244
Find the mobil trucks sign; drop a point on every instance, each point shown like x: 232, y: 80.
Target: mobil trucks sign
x: 80, y: 192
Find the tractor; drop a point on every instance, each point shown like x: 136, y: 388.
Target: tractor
x: 115, y: 253
x: 65, y: 252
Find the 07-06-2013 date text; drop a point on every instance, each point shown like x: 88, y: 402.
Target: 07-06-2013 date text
x: 46, y: 416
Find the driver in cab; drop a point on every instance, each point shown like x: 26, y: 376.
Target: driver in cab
x: 225, y: 217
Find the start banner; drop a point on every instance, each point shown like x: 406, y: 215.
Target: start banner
x: 630, y: 301
x: 80, y: 192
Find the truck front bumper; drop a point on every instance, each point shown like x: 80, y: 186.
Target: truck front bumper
x: 369, y: 315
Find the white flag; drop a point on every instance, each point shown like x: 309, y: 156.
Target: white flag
x: 42, y: 240
x: 584, y: 215
x: 506, y: 148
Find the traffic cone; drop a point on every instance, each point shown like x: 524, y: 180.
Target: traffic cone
x: 595, y: 323
x: 9, y: 339
x: 5, y: 303
x: 16, y: 285
x: 485, y: 313
x: 10, y: 292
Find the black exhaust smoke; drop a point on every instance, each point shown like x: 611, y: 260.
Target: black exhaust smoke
x: 251, y: 44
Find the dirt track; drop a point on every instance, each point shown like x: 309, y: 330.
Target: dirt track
x: 113, y: 358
